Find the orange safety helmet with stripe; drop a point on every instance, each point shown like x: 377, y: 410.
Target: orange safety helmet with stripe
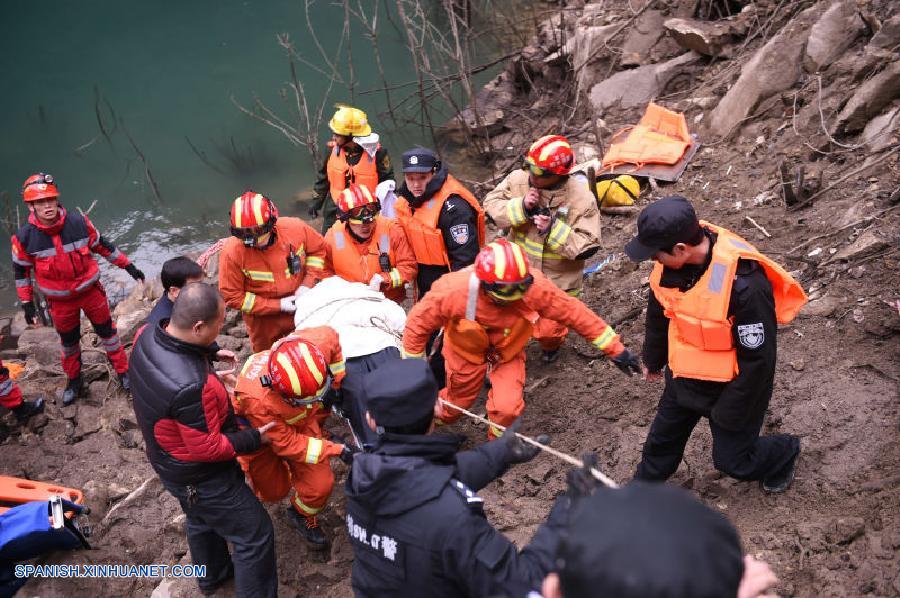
x: 550, y: 154
x: 298, y: 371
x: 357, y: 204
x: 39, y: 186
x: 503, y: 271
x: 253, y: 217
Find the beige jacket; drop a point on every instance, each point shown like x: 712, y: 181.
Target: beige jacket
x: 554, y: 254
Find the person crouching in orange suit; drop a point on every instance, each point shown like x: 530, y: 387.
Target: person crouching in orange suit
x: 263, y: 265
x: 366, y: 247
x: 488, y: 313
x: 290, y: 386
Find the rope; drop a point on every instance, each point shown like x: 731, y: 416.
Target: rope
x: 607, y: 481
x: 204, y: 258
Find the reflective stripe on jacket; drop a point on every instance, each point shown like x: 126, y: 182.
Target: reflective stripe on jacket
x: 421, y: 224
x: 701, y: 341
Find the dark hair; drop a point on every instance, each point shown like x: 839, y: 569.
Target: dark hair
x: 695, y: 240
x: 416, y: 428
x: 176, y: 271
x: 197, y: 302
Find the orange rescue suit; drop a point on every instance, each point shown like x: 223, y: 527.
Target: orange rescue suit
x: 340, y: 172
x: 494, y: 340
x: 421, y: 226
x: 359, y: 261
x: 297, y: 454
x: 255, y: 280
x: 701, y: 341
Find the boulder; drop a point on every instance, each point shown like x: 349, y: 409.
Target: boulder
x: 822, y: 308
x: 642, y: 36
x: 704, y: 37
x: 40, y: 345
x: 584, y: 47
x: 638, y: 86
x: 832, y: 34
x: 889, y: 34
x: 881, y: 132
x: 869, y: 100
x: 129, y: 323
x: 871, y: 241
x: 773, y: 68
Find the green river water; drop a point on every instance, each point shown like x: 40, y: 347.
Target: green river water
x: 166, y: 70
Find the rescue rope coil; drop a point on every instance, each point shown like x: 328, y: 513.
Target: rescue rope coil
x: 599, y: 475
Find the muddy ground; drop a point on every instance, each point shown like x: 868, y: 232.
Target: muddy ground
x: 835, y: 533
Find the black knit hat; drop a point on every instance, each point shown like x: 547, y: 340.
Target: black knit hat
x: 401, y: 392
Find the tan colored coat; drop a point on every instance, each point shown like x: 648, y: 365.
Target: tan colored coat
x: 554, y: 254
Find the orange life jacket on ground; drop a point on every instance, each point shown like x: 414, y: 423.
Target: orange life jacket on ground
x: 421, y: 228
x: 661, y: 137
x: 701, y: 343
x: 349, y: 264
x: 339, y: 172
x: 470, y: 340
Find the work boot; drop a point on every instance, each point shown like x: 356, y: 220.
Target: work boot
x: 74, y: 389
x: 125, y: 382
x: 782, y: 479
x: 309, y: 529
x: 28, y: 408
x: 549, y: 356
x: 212, y: 589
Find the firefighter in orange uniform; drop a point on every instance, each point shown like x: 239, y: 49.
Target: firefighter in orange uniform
x: 354, y: 156
x: 367, y: 247
x: 264, y: 263
x: 552, y: 215
x: 488, y: 314
x: 293, y: 385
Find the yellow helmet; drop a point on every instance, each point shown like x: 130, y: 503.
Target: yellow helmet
x: 350, y: 121
x: 620, y: 191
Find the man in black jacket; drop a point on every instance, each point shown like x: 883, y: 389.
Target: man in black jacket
x: 192, y: 438
x: 415, y: 521
x: 717, y: 335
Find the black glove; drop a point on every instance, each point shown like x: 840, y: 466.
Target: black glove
x: 627, y: 362
x: 581, y: 481
x: 347, y: 454
x: 30, y: 312
x: 332, y: 398
x: 312, y: 211
x: 134, y: 272
x: 517, y: 450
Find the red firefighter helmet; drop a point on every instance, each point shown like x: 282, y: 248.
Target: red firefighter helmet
x: 550, y: 154
x: 503, y: 270
x: 252, y: 215
x: 298, y: 371
x: 357, y: 203
x: 39, y: 186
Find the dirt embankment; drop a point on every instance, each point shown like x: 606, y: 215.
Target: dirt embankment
x: 810, y: 85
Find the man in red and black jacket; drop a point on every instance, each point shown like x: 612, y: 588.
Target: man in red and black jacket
x: 57, y: 245
x: 192, y: 438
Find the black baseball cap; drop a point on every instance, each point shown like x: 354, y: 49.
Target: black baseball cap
x: 661, y: 225
x: 419, y: 159
x: 648, y: 540
x: 401, y: 392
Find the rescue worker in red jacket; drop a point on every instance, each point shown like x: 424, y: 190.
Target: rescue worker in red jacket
x: 288, y: 386
x: 354, y: 156
x: 488, y: 313
x: 366, y: 247
x: 57, y: 245
x: 712, y: 320
x: 264, y: 263
x: 11, y: 397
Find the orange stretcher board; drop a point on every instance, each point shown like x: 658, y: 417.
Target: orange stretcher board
x: 16, y: 491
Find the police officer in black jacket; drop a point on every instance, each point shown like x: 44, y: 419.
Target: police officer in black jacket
x: 670, y: 233
x: 415, y: 521
x: 192, y: 438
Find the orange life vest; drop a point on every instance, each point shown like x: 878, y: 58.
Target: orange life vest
x: 701, y: 345
x: 340, y: 172
x: 421, y: 228
x: 661, y: 137
x: 350, y: 265
x: 470, y: 340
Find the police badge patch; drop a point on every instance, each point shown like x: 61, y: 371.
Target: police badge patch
x: 460, y: 233
x: 751, y: 335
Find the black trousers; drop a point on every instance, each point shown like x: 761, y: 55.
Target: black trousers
x: 353, y: 392
x: 223, y: 509
x: 742, y: 454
